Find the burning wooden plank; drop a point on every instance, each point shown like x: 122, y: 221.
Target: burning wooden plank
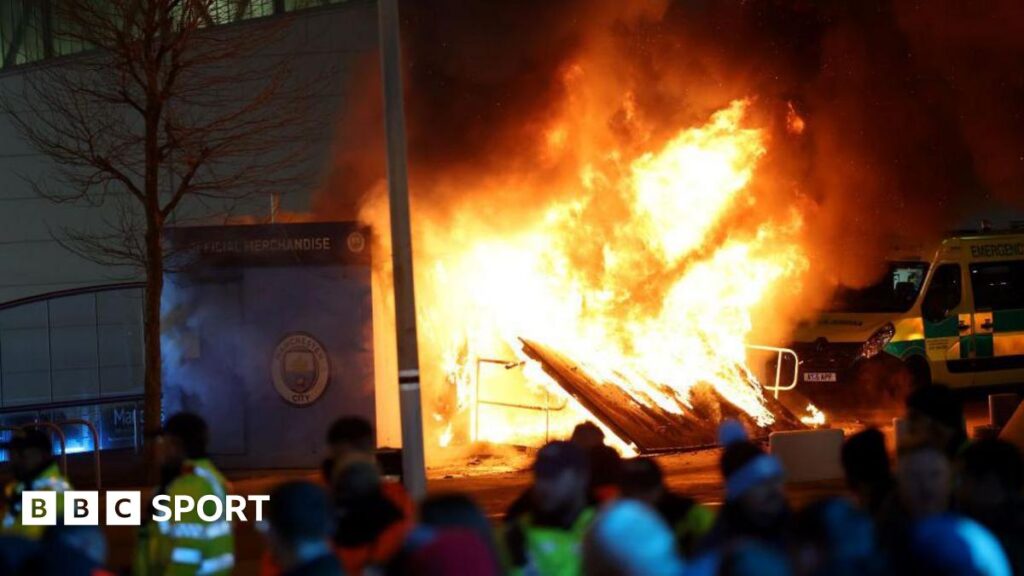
x: 648, y: 426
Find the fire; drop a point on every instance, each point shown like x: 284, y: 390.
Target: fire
x: 637, y: 273
x: 814, y: 416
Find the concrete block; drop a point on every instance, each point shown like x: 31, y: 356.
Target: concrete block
x: 809, y: 455
x: 1013, y: 432
x: 1001, y: 408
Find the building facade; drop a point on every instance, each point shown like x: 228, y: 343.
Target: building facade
x: 71, y: 329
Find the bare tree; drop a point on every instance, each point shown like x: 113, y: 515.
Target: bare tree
x: 160, y: 108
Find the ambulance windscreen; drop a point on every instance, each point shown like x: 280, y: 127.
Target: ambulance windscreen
x: 895, y: 291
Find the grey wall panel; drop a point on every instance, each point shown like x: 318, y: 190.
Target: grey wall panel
x: 25, y: 350
x: 119, y: 306
x: 73, y: 347
x: 32, y: 315
x: 77, y: 310
x: 75, y: 384
x: 26, y: 388
x: 40, y: 268
x: 120, y: 345
x: 121, y: 380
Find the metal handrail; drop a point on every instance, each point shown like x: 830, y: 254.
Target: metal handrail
x: 60, y: 436
x: 95, y: 446
x: 780, y: 352
x: 547, y: 408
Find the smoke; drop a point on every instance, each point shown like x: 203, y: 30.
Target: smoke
x: 914, y: 110
x: 912, y: 114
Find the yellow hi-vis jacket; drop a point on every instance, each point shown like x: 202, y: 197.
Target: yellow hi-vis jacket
x: 190, y: 546
x: 49, y: 480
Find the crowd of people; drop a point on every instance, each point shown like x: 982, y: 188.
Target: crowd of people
x: 949, y: 506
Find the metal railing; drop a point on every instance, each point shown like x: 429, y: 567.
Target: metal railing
x: 547, y: 408
x: 779, y: 354
x: 55, y: 428
x: 95, y: 446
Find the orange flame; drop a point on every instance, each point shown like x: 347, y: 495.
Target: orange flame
x: 637, y: 275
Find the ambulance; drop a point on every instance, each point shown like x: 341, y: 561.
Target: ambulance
x: 957, y: 319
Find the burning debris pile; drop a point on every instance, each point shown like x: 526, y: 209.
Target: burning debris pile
x: 624, y: 407
x: 634, y: 296
x: 641, y: 189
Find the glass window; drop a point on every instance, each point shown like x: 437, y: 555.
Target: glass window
x: 944, y: 293
x: 226, y: 11
x: 65, y: 40
x: 74, y: 347
x: 290, y: 5
x: 895, y: 291
x: 22, y: 37
x: 998, y: 285
x: 31, y: 30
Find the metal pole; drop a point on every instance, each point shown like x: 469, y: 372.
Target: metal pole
x: 413, y: 465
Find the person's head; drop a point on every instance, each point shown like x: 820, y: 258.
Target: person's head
x: 350, y: 435
x: 455, y: 511
x: 866, y: 464
x: 924, y: 477
x: 587, y: 436
x: 830, y: 534
x: 992, y: 478
x: 865, y: 460
x: 629, y: 538
x: 642, y: 479
x: 560, y: 479
x: 357, y: 480
x: 30, y: 451
x: 935, y: 415
x: 184, y: 437
x: 605, y: 470
x: 299, y: 523
x: 950, y: 545
x: 753, y: 479
x: 348, y: 438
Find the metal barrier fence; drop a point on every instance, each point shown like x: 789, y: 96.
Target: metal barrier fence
x: 775, y: 388
x: 780, y: 353
x: 110, y: 423
x: 547, y: 408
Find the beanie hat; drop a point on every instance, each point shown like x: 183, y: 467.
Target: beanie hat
x: 559, y: 456
x: 635, y: 540
x: 743, y: 463
x: 951, y: 544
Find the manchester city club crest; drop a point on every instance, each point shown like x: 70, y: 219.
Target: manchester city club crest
x: 301, y: 369
x: 356, y: 242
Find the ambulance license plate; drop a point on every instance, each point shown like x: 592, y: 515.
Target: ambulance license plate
x: 819, y: 376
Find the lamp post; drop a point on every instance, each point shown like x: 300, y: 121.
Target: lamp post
x: 413, y: 463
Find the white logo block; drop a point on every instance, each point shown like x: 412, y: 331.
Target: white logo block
x: 38, y: 508
x: 81, y: 508
x: 124, y: 508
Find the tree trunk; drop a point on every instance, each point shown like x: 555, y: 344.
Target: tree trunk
x: 152, y: 410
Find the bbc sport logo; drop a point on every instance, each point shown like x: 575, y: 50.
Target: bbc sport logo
x: 124, y: 508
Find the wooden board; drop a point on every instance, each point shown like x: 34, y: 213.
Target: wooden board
x: 649, y: 427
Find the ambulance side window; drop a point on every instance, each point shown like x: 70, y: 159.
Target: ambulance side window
x: 944, y: 293
x: 998, y: 285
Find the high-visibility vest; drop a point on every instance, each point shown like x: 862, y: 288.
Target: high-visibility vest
x: 49, y: 480
x: 190, y: 546
x: 552, y: 551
